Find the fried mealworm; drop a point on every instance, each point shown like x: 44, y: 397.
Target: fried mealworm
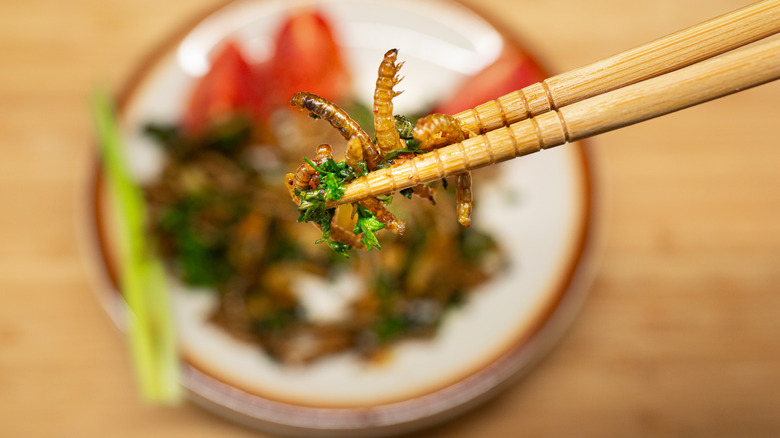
x: 289, y: 182
x: 341, y: 234
x: 387, y: 138
x: 303, y: 176
x: 384, y: 215
x: 463, y: 198
x: 340, y: 120
x: 354, y: 154
x: 424, y: 191
x: 323, y: 151
x: 437, y: 130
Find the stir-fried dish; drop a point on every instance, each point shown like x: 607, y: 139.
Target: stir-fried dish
x: 221, y: 218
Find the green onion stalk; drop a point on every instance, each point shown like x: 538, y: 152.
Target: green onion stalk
x: 150, y: 326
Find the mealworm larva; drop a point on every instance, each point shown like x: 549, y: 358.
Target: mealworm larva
x: 436, y: 130
x: 463, y: 198
x: 354, y: 154
x: 387, y: 138
x: 340, y: 120
x: 303, y: 176
x: 384, y: 215
x: 324, y: 151
x: 424, y: 191
x: 341, y: 234
x: 289, y: 182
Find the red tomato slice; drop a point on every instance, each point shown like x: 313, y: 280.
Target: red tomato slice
x: 230, y: 86
x: 512, y: 71
x: 307, y: 58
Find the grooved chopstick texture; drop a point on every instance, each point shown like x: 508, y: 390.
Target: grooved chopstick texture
x: 680, y: 49
x: 707, y: 80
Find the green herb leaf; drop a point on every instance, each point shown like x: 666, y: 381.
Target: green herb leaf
x: 412, y: 146
x: 404, y: 127
x: 386, y: 200
x: 339, y: 247
x: 368, y: 224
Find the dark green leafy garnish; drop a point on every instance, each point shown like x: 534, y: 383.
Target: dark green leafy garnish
x: 333, y: 176
x: 339, y: 247
x: 226, y: 136
x: 368, y: 224
x: 202, y: 260
x: 404, y: 127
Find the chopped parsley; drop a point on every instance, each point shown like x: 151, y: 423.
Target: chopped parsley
x: 368, y: 224
x: 333, y: 176
x: 412, y: 146
x: 404, y: 127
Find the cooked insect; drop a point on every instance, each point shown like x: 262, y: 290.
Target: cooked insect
x: 339, y: 119
x: 384, y: 215
x: 324, y: 151
x: 463, y: 198
x: 341, y: 234
x: 289, y: 182
x: 354, y: 155
x: 397, y: 139
x: 437, y: 130
x: 303, y: 176
x: 387, y: 138
x: 424, y: 191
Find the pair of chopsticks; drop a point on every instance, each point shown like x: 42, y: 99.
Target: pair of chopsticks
x: 666, y: 75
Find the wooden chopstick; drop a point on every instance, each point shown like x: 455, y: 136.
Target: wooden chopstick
x: 697, y: 83
x: 686, y: 47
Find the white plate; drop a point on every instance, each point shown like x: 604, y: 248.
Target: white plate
x: 500, y: 332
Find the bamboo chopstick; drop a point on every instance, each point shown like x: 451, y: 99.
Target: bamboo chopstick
x: 697, y: 83
x: 691, y: 45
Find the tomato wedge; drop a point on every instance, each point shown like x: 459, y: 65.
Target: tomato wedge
x: 511, y: 71
x: 307, y: 58
x: 229, y: 87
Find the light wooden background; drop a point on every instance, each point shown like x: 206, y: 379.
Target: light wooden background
x: 680, y: 335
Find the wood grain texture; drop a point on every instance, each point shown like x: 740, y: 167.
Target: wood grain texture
x: 678, y: 337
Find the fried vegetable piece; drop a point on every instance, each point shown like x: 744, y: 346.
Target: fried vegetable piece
x: 387, y: 138
x: 339, y: 119
x: 463, y: 198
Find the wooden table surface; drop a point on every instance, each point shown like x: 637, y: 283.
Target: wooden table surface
x: 680, y: 335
